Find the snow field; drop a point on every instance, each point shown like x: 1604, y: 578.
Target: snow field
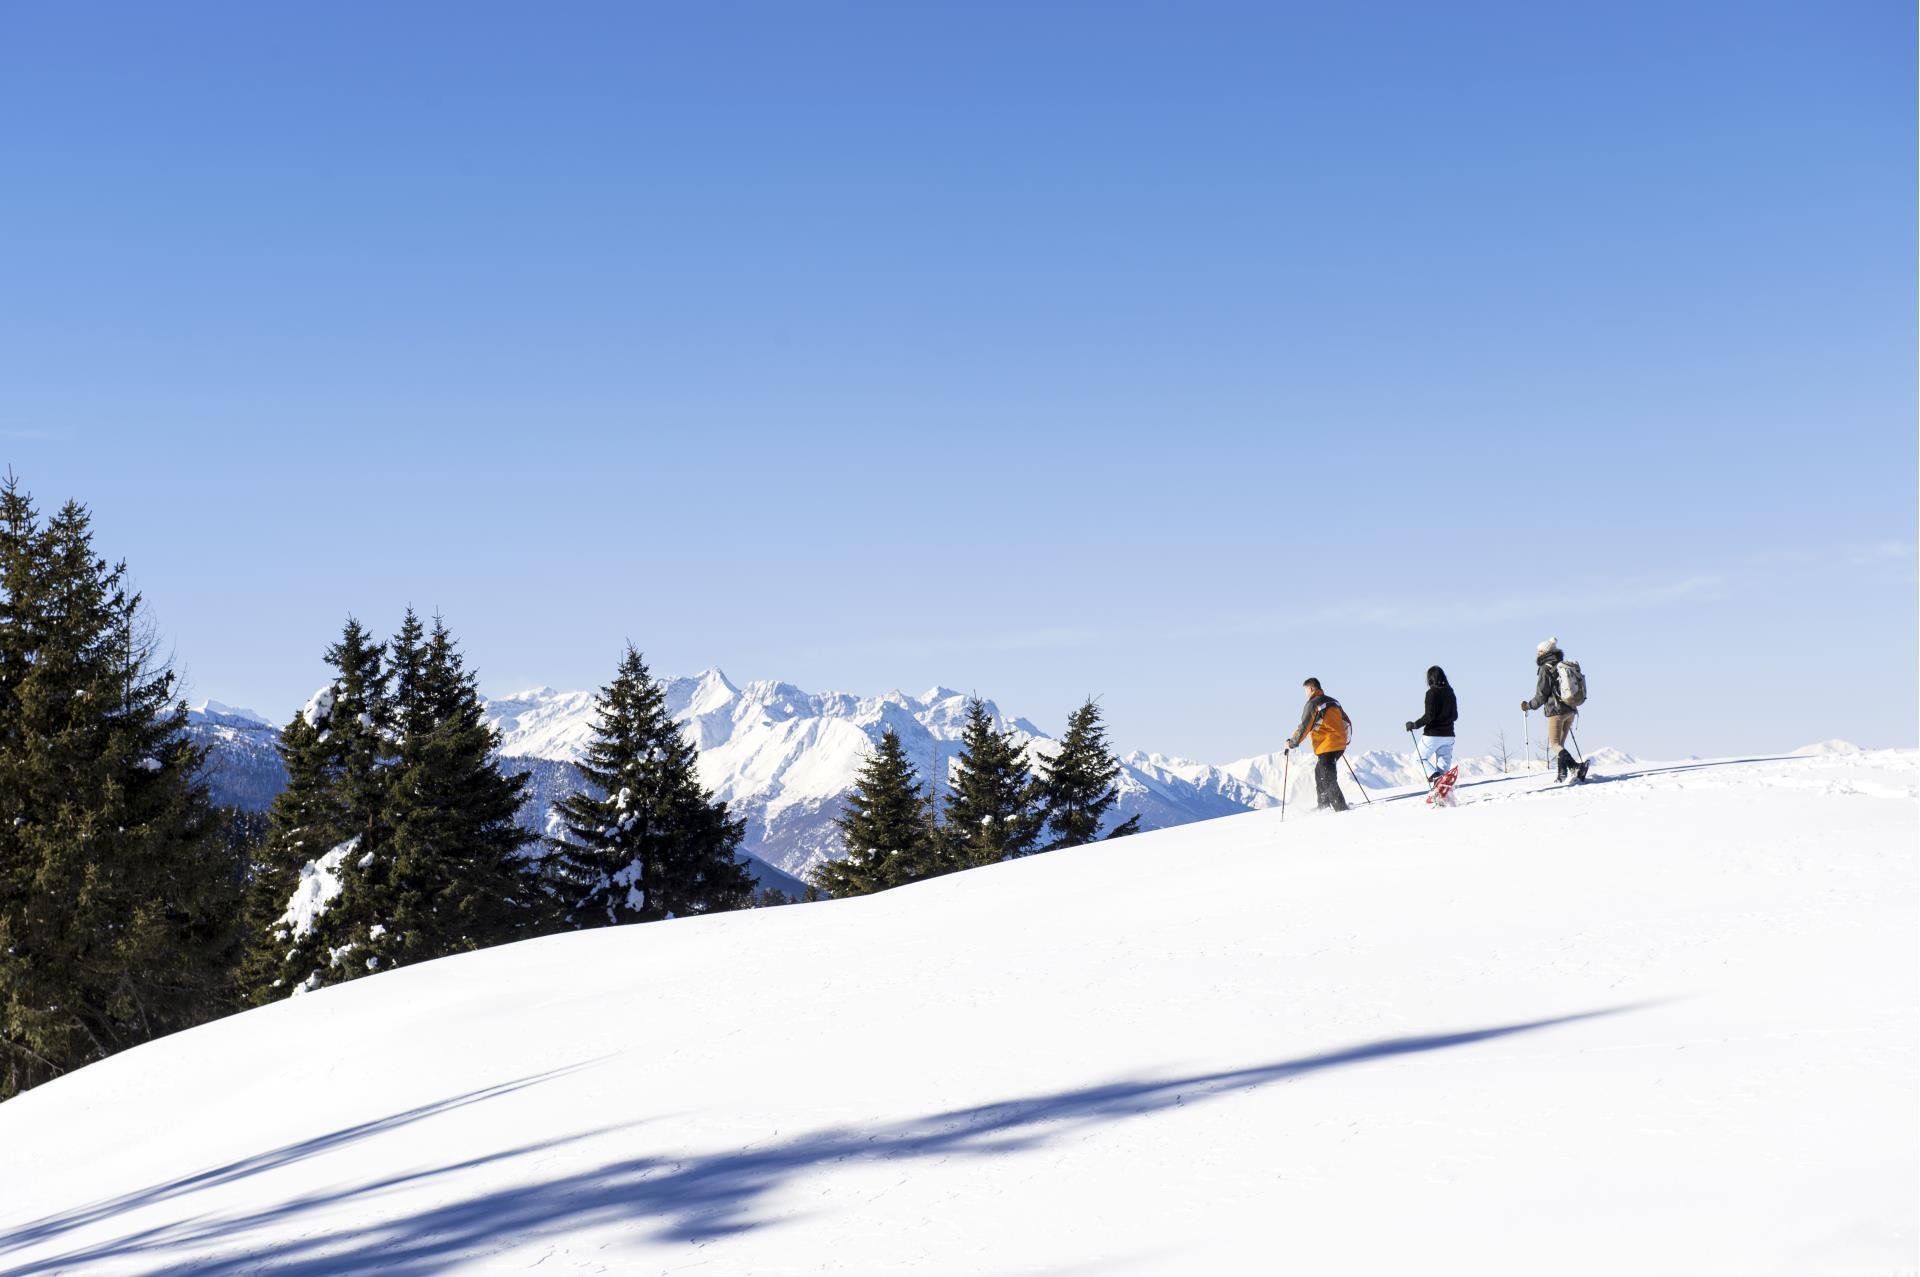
x: 1665, y: 1023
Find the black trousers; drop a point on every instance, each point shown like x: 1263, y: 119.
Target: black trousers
x: 1326, y: 780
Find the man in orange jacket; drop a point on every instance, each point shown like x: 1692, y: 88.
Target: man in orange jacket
x: 1331, y: 729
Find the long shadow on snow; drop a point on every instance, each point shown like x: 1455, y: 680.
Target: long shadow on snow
x: 261, y: 1163
x: 677, y: 1199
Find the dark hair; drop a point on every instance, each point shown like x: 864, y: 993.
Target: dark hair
x: 1314, y: 683
x: 1436, y: 677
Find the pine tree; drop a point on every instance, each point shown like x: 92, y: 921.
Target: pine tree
x: 459, y: 879
x: 304, y: 822
x: 394, y: 793
x: 359, y: 730
x: 888, y: 828
x: 22, y: 632
x: 349, y: 837
x: 991, y: 814
x: 410, y: 709
x: 1076, y: 787
x: 117, y: 890
x: 21, y: 622
x: 644, y: 840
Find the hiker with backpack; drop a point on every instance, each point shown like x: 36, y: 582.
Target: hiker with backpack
x: 1436, y: 725
x: 1330, y: 729
x: 1560, y: 689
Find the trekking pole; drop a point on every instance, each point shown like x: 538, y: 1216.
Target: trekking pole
x: 1356, y: 779
x: 1286, y: 769
x: 1527, y: 717
x: 1418, y: 760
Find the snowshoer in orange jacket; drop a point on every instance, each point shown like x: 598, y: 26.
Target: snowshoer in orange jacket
x: 1327, y: 724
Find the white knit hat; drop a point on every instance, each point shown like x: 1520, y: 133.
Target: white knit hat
x: 1546, y: 647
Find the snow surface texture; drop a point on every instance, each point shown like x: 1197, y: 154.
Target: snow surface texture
x: 784, y: 758
x: 1664, y: 1023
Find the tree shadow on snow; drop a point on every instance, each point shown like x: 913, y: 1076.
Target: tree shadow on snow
x: 261, y: 1163
x: 687, y: 1199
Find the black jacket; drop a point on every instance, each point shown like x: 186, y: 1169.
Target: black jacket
x: 1442, y: 710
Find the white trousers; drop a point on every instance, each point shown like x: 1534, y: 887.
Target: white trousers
x: 1436, y: 753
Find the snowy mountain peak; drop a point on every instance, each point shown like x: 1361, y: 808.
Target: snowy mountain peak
x: 782, y: 696
x: 216, y: 710
x: 543, y: 723
x: 715, y: 677
x: 1828, y: 749
x: 710, y: 692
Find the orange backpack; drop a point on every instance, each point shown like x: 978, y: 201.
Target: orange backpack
x: 1332, y: 729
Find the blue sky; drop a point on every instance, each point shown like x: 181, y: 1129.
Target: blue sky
x: 1165, y: 352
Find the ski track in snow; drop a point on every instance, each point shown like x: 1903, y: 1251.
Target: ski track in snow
x: 1664, y: 1023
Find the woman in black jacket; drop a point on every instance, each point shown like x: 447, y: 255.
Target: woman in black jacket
x: 1442, y: 709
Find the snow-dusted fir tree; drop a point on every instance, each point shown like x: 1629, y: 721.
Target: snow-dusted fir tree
x: 395, y: 840
x: 1076, y: 786
x: 118, y: 917
x: 992, y: 814
x: 888, y: 828
x: 304, y: 822
x: 343, y: 858
x: 458, y: 877
x: 644, y: 840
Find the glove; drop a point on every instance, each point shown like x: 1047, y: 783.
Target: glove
x: 1524, y: 707
x: 1409, y: 726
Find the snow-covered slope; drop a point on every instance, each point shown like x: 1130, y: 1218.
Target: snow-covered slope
x: 1660, y: 1024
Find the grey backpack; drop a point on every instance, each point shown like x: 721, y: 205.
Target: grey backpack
x: 1572, y: 684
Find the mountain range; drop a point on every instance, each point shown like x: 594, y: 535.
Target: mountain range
x: 784, y: 758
